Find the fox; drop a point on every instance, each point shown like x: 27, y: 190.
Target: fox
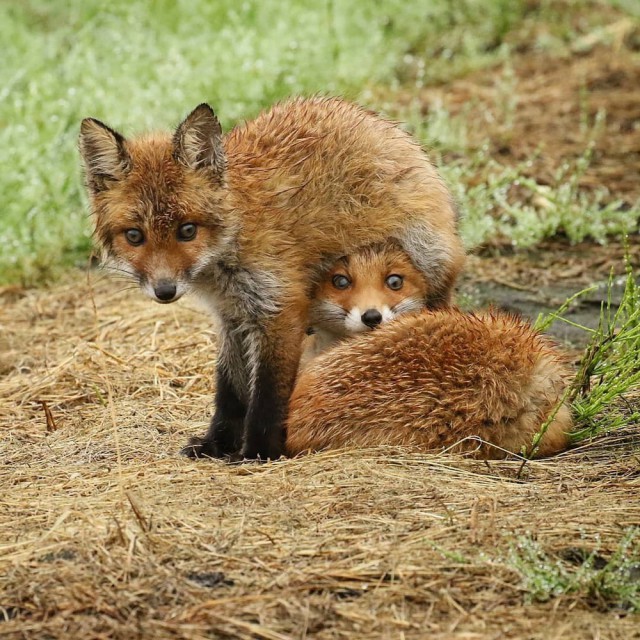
x: 247, y: 222
x: 477, y: 383
x: 359, y: 293
x: 362, y: 292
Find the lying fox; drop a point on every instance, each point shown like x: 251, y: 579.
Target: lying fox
x: 429, y: 380
x: 248, y: 221
x: 362, y: 291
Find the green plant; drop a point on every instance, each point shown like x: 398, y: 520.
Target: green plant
x: 612, y: 583
x: 610, y: 367
x: 138, y: 65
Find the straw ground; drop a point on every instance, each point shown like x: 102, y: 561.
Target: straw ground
x: 105, y: 532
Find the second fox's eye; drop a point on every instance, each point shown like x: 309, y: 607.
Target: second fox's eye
x: 394, y: 282
x: 134, y: 237
x: 187, y: 231
x: 341, y: 282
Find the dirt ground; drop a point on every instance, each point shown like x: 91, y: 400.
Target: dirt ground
x: 105, y: 532
x: 542, y: 108
x: 538, y: 281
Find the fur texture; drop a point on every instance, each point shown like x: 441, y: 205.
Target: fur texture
x: 273, y: 200
x: 432, y: 381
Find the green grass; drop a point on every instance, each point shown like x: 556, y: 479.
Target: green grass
x: 138, y: 65
x: 507, y: 205
x: 606, y: 583
x: 610, y: 367
x: 604, y: 393
x: 146, y: 64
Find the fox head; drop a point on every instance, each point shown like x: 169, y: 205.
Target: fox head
x: 157, y: 200
x: 366, y: 289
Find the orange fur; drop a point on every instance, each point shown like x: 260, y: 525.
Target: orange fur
x: 367, y: 271
x: 274, y: 201
x: 430, y: 381
x: 309, y: 179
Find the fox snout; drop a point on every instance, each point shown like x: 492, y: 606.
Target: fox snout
x: 357, y: 321
x: 371, y: 318
x: 165, y: 290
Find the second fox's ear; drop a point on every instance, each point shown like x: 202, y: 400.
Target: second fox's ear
x: 104, y: 154
x: 198, y: 141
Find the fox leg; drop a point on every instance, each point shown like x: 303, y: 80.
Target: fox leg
x: 275, y: 360
x: 224, y: 437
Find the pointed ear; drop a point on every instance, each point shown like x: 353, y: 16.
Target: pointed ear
x: 197, y: 142
x: 104, y: 154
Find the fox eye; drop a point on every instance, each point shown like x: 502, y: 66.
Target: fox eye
x: 341, y: 282
x: 394, y: 282
x: 134, y: 237
x: 187, y: 231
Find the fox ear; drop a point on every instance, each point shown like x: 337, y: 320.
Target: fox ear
x: 198, y: 141
x: 104, y: 154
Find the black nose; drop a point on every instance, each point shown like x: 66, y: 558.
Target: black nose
x: 165, y: 290
x: 371, y: 317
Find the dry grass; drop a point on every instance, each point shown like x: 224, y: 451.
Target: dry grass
x: 105, y: 532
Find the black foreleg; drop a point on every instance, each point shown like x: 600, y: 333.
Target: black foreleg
x: 224, y: 437
x: 275, y: 364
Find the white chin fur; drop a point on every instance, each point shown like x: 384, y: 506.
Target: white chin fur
x: 147, y: 289
x: 387, y: 314
x: 353, y: 322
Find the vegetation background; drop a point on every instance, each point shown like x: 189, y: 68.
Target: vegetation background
x: 530, y: 109
x: 139, y: 65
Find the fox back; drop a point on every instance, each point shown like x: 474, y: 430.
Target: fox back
x: 482, y: 384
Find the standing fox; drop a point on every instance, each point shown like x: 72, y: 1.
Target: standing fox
x: 248, y: 221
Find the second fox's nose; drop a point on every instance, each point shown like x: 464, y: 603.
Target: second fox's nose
x: 165, y: 290
x: 371, y: 317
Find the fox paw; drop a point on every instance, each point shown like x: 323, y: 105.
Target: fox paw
x: 261, y: 453
x: 200, y: 448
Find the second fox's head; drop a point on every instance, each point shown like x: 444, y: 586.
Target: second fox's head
x: 367, y: 289
x: 157, y: 201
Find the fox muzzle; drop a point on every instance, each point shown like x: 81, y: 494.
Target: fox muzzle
x: 165, y: 291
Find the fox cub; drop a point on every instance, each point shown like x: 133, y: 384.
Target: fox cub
x: 247, y: 221
x: 360, y: 292
x: 429, y: 380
